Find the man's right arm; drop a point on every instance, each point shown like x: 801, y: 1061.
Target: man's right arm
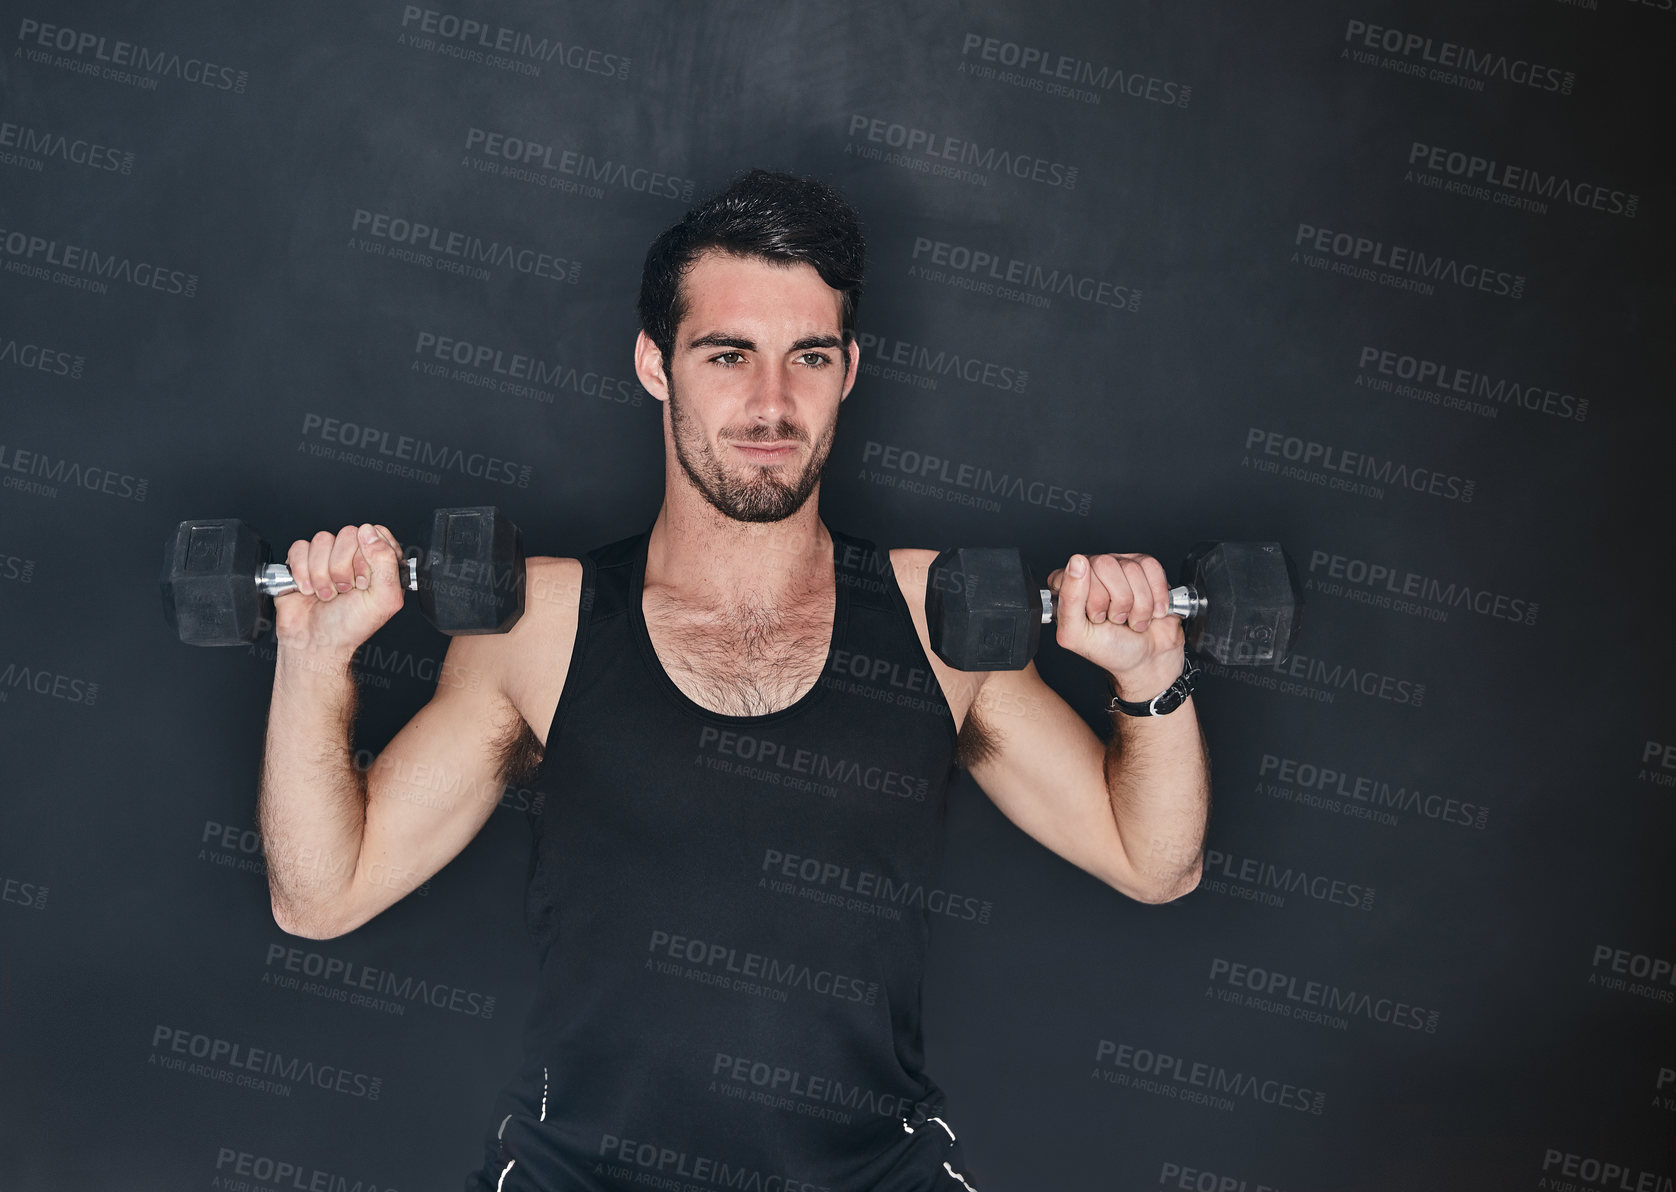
x: 343, y: 843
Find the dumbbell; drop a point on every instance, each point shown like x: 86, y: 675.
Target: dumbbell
x: 219, y: 579
x: 985, y: 611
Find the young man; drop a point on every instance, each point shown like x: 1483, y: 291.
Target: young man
x: 723, y: 882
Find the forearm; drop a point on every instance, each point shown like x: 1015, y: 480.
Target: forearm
x: 1157, y: 776
x: 312, y: 801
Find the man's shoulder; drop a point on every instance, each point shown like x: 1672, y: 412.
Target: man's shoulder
x: 553, y: 599
x: 552, y: 587
x: 912, y: 564
x: 917, y: 556
x: 856, y: 554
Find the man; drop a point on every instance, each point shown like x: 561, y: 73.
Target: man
x: 729, y: 989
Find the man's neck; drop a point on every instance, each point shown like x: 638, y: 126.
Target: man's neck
x: 711, y: 560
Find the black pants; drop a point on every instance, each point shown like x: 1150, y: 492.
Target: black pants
x: 515, y: 1163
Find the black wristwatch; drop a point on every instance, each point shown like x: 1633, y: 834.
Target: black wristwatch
x: 1162, y: 704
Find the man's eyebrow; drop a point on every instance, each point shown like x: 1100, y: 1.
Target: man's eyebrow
x: 721, y: 339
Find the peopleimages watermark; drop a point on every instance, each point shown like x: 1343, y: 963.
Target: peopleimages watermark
x: 1474, y: 176
x: 779, y: 1086
x: 1258, y: 880
x: 452, y: 251
x: 236, y: 1063
x: 1033, y: 68
x: 121, y: 61
x: 653, y: 1165
x: 1277, y: 453
x: 1447, y: 61
x: 965, y: 483
x: 1605, y: 1174
x: 425, y: 785
x: 1400, y: 589
x: 1362, y: 796
x: 1029, y: 283
x: 862, y: 890
x: 1388, y: 370
x: 1397, y: 266
x: 360, y: 984
x: 799, y: 768
x: 1333, y: 675
x: 1127, y: 1065
x: 34, y: 357
x: 243, y: 848
x: 376, y: 665
x: 49, y: 471
x: 398, y: 454
x: 516, y: 373
x: 1321, y: 680
x: 16, y: 568
x: 913, y: 688
x: 923, y: 367
x: 725, y: 966
x: 232, y: 846
x: 502, y: 46
x: 30, y: 895
x: 959, y: 158
x: 1664, y: 1090
x: 1658, y: 763
x: 262, y: 1169
x: 37, y: 680
x: 22, y: 145
x: 531, y: 159
x: 82, y: 268
x: 1183, y: 1178
x: 1259, y: 987
x: 1638, y: 973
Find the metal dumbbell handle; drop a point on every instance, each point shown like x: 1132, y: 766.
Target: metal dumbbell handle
x: 1185, y: 601
x: 275, y: 579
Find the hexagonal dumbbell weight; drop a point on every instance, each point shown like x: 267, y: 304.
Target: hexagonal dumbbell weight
x: 985, y: 610
x: 219, y: 579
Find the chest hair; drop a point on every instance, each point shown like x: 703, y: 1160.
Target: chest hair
x: 750, y: 661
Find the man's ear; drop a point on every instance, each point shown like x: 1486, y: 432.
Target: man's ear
x: 648, y: 366
x: 853, y: 351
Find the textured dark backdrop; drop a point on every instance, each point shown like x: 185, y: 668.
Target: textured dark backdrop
x: 1385, y: 280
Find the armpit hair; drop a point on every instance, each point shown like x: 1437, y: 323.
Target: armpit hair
x: 518, y: 753
x: 976, y: 743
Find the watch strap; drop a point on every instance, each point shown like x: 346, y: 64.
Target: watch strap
x: 1162, y: 704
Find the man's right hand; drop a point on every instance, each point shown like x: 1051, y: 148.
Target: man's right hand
x: 348, y: 585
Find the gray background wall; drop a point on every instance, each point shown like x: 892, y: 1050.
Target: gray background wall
x: 1384, y: 280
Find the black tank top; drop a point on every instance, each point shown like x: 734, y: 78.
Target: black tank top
x: 731, y: 914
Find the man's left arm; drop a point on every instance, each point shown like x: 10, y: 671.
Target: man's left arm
x: 1131, y: 810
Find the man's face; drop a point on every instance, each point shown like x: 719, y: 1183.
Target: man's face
x: 754, y: 383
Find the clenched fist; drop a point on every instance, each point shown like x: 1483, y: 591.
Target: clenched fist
x: 348, y: 585
x: 1112, y: 610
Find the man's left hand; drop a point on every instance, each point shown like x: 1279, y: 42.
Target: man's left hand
x: 1111, y: 609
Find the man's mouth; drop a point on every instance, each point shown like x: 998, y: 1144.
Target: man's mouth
x: 766, y: 452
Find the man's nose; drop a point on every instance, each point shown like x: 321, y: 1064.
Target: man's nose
x: 770, y: 395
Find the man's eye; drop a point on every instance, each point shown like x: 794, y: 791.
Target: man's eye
x: 815, y: 359
x: 729, y: 358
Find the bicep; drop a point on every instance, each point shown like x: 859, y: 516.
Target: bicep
x: 434, y: 785
x: 1045, y: 769
x: 1032, y: 755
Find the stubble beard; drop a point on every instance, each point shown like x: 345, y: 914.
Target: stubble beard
x: 763, y: 496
